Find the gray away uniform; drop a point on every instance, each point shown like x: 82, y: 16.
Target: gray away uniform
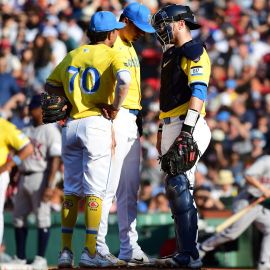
x: 259, y: 214
x: 46, y: 140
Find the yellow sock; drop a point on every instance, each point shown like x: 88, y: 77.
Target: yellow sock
x: 69, y: 214
x: 93, y: 208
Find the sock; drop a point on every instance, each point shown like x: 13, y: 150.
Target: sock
x: 93, y: 208
x: 20, y: 237
x: 43, y: 238
x: 69, y: 214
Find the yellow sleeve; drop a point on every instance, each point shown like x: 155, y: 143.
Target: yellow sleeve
x: 119, y: 62
x: 17, y: 139
x: 199, y: 72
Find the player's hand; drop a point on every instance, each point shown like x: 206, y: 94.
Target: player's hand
x: 108, y: 111
x: 6, y: 167
x: 266, y: 193
x: 47, y: 195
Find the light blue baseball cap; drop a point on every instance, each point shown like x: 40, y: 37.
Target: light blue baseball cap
x: 140, y: 15
x: 104, y: 21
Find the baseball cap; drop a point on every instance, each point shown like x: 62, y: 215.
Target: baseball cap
x: 35, y: 102
x: 223, y: 116
x: 140, y: 15
x: 103, y: 21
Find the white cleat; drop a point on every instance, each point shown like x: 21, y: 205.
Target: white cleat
x: 140, y: 259
x: 39, y: 263
x: 65, y: 259
x: 17, y: 260
x: 263, y: 266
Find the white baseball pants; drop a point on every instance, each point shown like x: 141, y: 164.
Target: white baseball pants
x: 86, y: 153
x: 201, y: 134
x: 123, y: 182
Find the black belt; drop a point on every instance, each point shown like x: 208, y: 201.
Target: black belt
x: 29, y: 173
x: 168, y: 120
x: 134, y: 111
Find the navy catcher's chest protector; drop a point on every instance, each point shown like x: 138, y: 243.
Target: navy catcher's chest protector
x: 175, y: 90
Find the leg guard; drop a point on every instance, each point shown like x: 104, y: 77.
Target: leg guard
x: 184, y: 214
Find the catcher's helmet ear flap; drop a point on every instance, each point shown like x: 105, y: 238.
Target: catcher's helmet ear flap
x: 161, y: 21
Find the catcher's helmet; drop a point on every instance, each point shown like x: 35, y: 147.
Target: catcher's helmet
x: 161, y: 21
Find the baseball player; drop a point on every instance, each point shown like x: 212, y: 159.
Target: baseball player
x: 258, y: 184
x: 36, y: 183
x: 10, y: 138
x: 124, y: 178
x: 185, y: 73
x: 89, y: 75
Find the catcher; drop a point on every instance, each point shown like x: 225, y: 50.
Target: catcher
x: 185, y: 135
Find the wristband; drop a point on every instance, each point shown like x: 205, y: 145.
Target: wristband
x: 190, y: 121
x: 191, y: 118
x: 16, y: 159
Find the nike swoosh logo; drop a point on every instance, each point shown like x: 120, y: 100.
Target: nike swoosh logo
x: 165, y: 64
x: 138, y: 260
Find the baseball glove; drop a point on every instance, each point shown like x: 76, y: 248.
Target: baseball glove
x: 54, y: 108
x: 181, y: 156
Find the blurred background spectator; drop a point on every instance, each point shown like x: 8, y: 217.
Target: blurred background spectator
x: 35, y: 36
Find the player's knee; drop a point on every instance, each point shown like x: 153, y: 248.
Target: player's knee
x: 180, y: 198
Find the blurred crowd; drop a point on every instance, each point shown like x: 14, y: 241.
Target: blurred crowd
x: 35, y: 35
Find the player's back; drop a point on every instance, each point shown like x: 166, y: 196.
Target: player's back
x: 88, y: 75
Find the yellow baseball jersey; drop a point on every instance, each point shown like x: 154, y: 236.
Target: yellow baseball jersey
x: 196, y: 72
x: 10, y: 136
x: 133, y: 98
x: 88, y: 75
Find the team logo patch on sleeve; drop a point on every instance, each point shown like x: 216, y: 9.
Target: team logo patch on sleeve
x: 196, y: 71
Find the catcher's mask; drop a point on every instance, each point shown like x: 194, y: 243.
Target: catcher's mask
x: 172, y: 13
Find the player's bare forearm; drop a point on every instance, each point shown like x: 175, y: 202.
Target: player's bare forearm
x: 120, y: 96
x: 196, y: 104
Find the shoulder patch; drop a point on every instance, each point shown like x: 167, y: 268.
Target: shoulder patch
x: 196, y: 71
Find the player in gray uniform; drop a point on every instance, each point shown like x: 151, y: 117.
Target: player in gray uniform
x: 258, y: 184
x: 36, y: 184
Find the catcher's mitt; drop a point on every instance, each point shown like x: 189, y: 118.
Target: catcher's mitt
x: 54, y: 108
x: 181, y: 156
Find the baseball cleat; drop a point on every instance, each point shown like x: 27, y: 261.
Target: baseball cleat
x: 98, y: 260
x: 39, y: 263
x: 140, y: 259
x: 263, y: 266
x: 65, y: 259
x: 115, y: 262
x: 179, y: 260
